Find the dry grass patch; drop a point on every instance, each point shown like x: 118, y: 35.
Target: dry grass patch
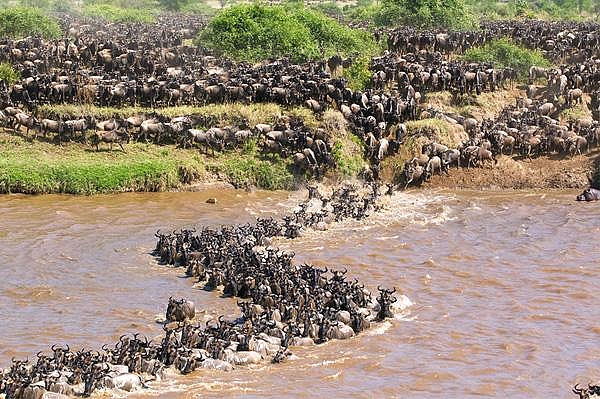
x: 577, y: 112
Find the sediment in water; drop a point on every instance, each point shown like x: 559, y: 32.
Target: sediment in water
x: 284, y: 305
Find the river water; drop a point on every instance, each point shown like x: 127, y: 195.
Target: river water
x: 505, y: 290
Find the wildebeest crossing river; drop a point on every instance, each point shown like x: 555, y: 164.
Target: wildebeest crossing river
x: 504, y: 287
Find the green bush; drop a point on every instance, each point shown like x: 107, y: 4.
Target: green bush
x: 254, y: 32
x: 199, y: 7
x: 8, y: 74
x: 504, y: 53
x: 453, y: 14
x: 359, y: 74
x: 117, y: 14
x: 19, y: 22
x: 173, y: 5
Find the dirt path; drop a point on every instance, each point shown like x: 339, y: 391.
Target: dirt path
x: 545, y: 172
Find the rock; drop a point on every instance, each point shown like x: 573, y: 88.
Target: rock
x: 340, y: 331
x: 247, y: 357
x: 211, y: 200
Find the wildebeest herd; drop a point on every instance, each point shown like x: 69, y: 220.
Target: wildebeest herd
x: 282, y: 305
x: 156, y: 65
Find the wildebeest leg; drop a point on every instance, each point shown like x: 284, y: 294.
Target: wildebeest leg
x: 121, y: 145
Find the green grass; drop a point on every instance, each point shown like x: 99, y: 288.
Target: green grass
x: 39, y: 167
x: 247, y: 167
x: 348, y: 156
x: 579, y: 111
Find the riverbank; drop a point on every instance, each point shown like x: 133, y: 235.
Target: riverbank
x: 42, y: 166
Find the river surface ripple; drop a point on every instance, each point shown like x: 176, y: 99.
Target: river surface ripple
x: 504, y: 285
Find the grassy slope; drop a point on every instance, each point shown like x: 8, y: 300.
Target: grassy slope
x: 39, y: 166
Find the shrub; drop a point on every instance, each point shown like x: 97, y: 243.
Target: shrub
x: 174, y: 5
x: 117, y: 14
x: 19, y: 22
x: 256, y: 32
x: 359, y: 74
x: 504, y: 53
x: 8, y: 74
x: 429, y: 13
x: 199, y: 8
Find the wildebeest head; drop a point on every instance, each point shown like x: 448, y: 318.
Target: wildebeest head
x: 589, y: 194
x: 179, y: 310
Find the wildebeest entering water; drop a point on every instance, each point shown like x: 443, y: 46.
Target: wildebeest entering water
x: 282, y: 304
x: 180, y: 310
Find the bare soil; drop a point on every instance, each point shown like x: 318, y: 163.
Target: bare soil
x: 516, y: 172
x: 544, y: 172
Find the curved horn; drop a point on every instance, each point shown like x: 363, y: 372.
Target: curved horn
x: 379, y: 288
x: 38, y: 355
x: 68, y: 349
x: 157, y: 234
x: 53, y: 347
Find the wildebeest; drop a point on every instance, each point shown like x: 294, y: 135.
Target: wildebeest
x: 180, y: 310
x: 589, y: 194
x: 112, y: 136
x: 413, y: 173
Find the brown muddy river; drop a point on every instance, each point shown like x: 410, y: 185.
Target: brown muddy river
x: 505, y: 289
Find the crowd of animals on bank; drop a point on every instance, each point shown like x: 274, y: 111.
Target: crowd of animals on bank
x: 282, y: 305
x: 155, y: 65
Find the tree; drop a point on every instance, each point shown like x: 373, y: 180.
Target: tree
x: 8, y: 74
x: 451, y: 14
x: 255, y: 32
x: 173, y: 5
x: 19, y: 22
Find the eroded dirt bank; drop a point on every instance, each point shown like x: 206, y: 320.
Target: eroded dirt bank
x: 544, y: 172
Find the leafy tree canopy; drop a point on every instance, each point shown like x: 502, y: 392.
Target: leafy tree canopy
x: 19, y: 22
x: 255, y: 32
